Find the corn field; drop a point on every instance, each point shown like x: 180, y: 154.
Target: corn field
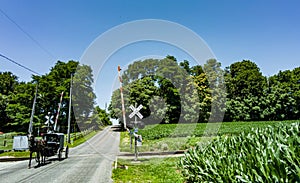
x: 262, y: 155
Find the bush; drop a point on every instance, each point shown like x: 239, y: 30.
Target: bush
x: 262, y: 155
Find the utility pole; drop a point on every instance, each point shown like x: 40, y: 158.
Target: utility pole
x: 58, y: 110
x: 70, y: 109
x: 122, y: 98
x: 30, y: 130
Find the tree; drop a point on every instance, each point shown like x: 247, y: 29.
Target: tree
x: 282, y: 95
x: 204, y: 96
x: 19, y: 107
x: 158, y: 81
x: 196, y: 70
x: 216, y: 83
x: 245, y: 89
x: 58, y: 80
x: 186, y: 66
x: 3, y: 114
x: 83, y: 99
x: 102, y: 116
x: 50, y: 87
x: 8, y: 82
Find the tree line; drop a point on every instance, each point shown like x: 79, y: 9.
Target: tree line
x: 173, y: 92
x: 170, y: 91
x: 16, y: 99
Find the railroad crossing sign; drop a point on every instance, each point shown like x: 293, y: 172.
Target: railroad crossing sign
x: 49, y: 120
x: 136, y: 111
x: 137, y: 138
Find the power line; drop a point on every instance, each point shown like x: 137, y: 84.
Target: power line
x: 27, y: 34
x: 11, y: 60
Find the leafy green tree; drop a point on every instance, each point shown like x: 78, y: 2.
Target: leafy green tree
x: 186, y: 66
x: 279, y: 104
x: 196, y: 70
x: 8, y: 82
x: 19, y: 107
x: 3, y: 114
x: 163, y: 81
x: 282, y: 96
x: 50, y: 87
x: 216, y: 83
x: 83, y: 96
x: 103, y: 116
x: 245, y: 89
x: 58, y: 80
x: 244, y: 78
x: 204, y: 96
x: 115, y: 106
x: 99, y: 119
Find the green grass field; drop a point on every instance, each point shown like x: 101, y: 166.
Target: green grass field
x: 148, y: 170
x: 170, y: 137
x: 164, y: 138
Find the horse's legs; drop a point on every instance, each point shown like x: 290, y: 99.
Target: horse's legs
x: 30, y: 157
x: 38, y: 157
x: 42, y: 157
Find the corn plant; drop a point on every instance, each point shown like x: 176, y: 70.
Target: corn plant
x: 268, y: 154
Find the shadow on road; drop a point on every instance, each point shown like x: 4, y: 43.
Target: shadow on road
x: 48, y: 161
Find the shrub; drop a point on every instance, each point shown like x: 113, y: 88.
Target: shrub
x: 268, y: 154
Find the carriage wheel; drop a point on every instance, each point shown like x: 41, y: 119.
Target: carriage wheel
x: 67, y: 152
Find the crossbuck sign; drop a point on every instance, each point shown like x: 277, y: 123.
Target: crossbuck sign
x: 136, y: 111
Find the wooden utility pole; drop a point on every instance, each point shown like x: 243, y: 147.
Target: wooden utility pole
x: 122, y: 98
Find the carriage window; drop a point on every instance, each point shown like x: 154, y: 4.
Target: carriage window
x: 50, y: 138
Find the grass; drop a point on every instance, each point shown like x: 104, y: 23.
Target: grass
x: 153, y: 132
x: 148, y: 170
x: 17, y: 154
x: 6, y: 144
x: 170, y: 137
x: 163, y: 144
x: 82, y: 139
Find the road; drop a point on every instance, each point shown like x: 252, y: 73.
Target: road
x: 89, y: 162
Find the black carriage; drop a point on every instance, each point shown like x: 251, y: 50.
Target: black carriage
x: 54, y: 145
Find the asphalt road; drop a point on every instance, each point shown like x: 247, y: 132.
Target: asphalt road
x: 89, y: 162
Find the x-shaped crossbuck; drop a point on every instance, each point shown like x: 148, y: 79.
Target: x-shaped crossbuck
x: 136, y: 111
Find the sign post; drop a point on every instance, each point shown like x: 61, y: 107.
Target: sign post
x: 137, y: 138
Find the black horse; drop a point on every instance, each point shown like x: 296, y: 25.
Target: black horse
x: 37, y: 146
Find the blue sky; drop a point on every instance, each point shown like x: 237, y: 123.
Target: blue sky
x: 266, y: 32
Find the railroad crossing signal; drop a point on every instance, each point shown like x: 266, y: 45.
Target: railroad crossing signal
x: 49, y: 120
x: 136, y: 111
x: 137, y: 138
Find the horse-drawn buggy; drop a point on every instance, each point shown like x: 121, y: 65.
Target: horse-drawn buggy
x: 54, y: 145
x: 51, y: 144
